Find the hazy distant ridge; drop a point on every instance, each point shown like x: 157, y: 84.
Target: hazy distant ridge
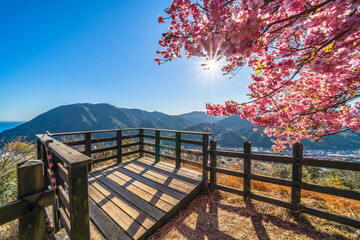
x: 230, y: 131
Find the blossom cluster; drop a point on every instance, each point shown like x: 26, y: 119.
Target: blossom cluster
x: 305, y: 56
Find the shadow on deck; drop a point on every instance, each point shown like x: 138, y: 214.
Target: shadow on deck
x: 134, y: 199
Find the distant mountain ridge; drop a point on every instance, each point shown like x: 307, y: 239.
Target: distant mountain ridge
x: 228, y: 131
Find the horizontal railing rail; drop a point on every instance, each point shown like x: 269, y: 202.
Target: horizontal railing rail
x: 115, y: 145
x: 296, y: 184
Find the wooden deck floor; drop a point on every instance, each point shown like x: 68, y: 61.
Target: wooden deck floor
x: 134, y: 199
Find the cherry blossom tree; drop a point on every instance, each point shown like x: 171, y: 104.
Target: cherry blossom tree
x: 305, y: 55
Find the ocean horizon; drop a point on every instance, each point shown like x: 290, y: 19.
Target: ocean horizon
x: 5, y: 125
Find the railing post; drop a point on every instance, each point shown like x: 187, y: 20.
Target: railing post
x: 141, y: 141
x: 30, y: 180
x: 79, y: 203
x: 296, y: 173
x: 157, y: 146
x: 247, y: 170
x: 88, y: 147
x: 212, y: 162
x: 119, y: 146
x: 178, y: 149
x: 38, y: 149
x: 205, y: 147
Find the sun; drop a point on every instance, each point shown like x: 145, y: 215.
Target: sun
x: 211, y: 64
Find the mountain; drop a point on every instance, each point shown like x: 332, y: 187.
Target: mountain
x: 228, y: 131
x: 233, y: 131
x: 85, y: 117
x: 198, y: 117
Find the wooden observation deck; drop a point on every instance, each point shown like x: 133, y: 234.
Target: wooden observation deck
x: 130, y: 193
x: 132, y: 200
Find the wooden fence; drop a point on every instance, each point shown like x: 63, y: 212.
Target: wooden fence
x: 296, y: 184
x: 71, y: 212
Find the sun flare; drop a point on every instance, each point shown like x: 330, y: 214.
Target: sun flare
x: 211, y: 65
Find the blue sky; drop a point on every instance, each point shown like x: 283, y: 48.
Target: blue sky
x: 63, y: 52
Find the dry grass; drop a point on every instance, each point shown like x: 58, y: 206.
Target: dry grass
x: 220, y: 215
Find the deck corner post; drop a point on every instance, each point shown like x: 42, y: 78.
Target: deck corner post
x: 141, y: 142
x: 79, y: 203
x: 87, y: 137
x: 247, y: 170
x: 296, y: 174
x: 205, y: 155
x: 178, y: 149
x: 157, y: 146
x: 119, y: 146
x: 30, y: 180
x: 212, y: 163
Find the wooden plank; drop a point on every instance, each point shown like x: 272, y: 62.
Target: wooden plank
x: 105, y: 224
x: 129, y: 225
x: 153, y: 184
x: 232, y: 154
x: 192, y: 152
x: 182, y: 173
x: 332, y: 217
x: 134, y: 181
x: 229, y: 189
x: 171, y: 139
x: 191, y: 162
x: 139, y: 216
x: 130, y: 144
x: 193, y: 142
x: 205, y: 156
x: 99, y: 140
x: 178, y: 150
x: 129, y: 196
x: 227, y: 171
x: 352, y: 166
x: 272, y: 158
x: 159, y: 203
x: 278, y: 181
x: 15, y: 209
x: 75, y: 143
x: 130, y: 153
x: 149, y: 136
x: 331, y: 190
x: 63, y: 196
x: 104, y: 149
x: 130, y: 136
x: 175, y: 131
x: 175, y: 173
x: 167, y: 181
x: 69, y: 156
x: 63, y: 172
x: 65, y: 222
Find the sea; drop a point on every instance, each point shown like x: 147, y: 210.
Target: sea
x: 7, y: 125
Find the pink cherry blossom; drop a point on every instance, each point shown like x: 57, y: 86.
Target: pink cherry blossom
x: 305, y: 57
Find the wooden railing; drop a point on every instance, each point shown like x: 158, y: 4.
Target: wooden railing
x: 71, y: 209
x: 33, y: 198
x: 141, y: 140
x: 297, y: 162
